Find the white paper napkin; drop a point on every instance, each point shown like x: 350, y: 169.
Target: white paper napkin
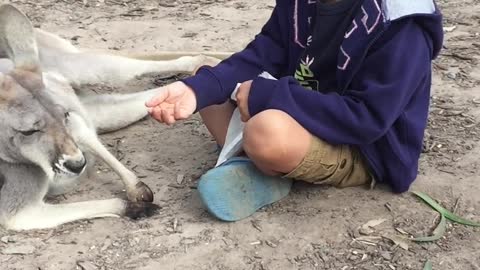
x: 234, y: 139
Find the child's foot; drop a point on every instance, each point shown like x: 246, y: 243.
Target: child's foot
x: 237, y: 189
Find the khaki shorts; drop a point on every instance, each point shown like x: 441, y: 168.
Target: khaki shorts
x: 335, y: 165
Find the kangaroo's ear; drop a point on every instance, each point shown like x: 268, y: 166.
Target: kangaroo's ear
x: 17, y: 39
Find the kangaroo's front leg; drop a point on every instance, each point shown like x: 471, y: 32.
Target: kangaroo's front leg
x: 115, y: 111
x: 86, y: 137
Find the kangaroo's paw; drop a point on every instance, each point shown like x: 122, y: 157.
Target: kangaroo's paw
x: 137, y: 210
x: 140, y: 193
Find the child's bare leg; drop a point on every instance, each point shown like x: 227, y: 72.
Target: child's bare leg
x: 279, y: 146
x: 289, y: 144
x: 275, y: 142
x: 216, y: 119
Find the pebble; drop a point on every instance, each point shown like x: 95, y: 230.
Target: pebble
x: 106, y: 244
x: 386, y: 255
x: 353, y: 258
x: 452, y: 75
x: 180, y: 178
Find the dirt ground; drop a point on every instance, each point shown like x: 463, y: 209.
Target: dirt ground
x: 313, y: 228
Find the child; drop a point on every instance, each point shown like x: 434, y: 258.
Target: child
x: 349, y: 107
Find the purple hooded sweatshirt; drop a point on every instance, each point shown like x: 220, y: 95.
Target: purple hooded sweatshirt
x: 383, y: 77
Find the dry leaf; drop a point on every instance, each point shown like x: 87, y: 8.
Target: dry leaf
x: 398, y: 240
x: 374, y: 223
x: 367, y: 228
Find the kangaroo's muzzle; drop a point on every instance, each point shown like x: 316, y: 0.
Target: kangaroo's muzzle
x: 71, y: 165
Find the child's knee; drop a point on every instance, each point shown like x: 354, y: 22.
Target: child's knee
x: 265, y: 135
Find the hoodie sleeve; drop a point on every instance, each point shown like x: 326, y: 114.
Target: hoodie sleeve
x: 267, y: 52
x: 395, y: 67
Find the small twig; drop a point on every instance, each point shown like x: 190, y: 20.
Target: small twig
x: 455, y: 207
x: 131, y: 15
x: 459, y: 56
x: 453, y: 113
x: 120, y: 3
x: 256, y: 225
x: 176, y: 186
x: 118, y: 152
x: 440, y: 66
x: 445, y: 107
x: 445, y: 171
x: 389, y: 207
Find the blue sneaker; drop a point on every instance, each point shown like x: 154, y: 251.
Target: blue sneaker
x: 237, y: 189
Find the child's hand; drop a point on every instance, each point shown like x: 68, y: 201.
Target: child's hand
x: 177, y: 101
x: 242, y: 100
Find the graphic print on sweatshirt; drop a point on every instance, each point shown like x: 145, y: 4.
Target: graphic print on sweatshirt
x: 305, y: 76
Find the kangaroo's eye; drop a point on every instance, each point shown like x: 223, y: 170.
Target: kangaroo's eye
x: 29, y: 132
x: 67, y: 114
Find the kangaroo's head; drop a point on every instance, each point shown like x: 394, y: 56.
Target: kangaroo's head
x: 32, y: 126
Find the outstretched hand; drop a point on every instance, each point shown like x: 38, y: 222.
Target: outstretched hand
x: 175, y: 102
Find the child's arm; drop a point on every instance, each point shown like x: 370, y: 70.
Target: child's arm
x: 267, y: 52
x: 384, y: 85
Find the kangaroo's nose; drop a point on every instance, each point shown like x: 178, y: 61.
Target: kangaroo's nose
x: 75, y: 166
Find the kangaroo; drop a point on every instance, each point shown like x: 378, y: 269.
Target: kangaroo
x: 49, y: 132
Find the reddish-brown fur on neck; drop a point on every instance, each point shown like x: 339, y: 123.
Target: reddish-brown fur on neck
x: 9, y: 83
x: 30, y: 80
x: 6, y: 89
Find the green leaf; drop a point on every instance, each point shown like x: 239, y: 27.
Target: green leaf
x: 428, y: 266
x: 449, y: 215
x: 436, y: 234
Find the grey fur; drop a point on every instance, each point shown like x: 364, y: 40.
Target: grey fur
x: 47, y: 131
x: 17, y: 38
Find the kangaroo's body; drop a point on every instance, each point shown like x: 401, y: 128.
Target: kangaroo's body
x: 48, y: 132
